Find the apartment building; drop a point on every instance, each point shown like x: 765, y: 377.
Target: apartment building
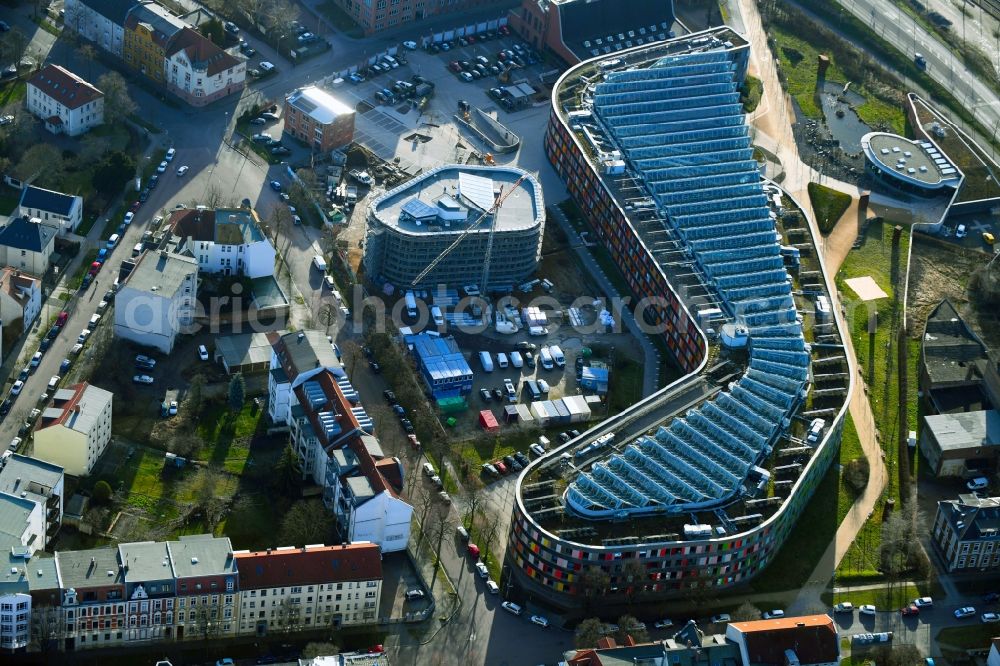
x: 149, y: 31
x: 62, y: 211
x: 966, y: 533
x: 27, y: 245
x: 34, y: 491
x: 224, y: 241
x: 318, y: 119
x: 297, y: 589
x: 295, y: 358
x: 76, y: 429
x: 65, y: 102
x: 99, y: 21
x: 377, y: 15
x: 20, y: 299
x: 91, y: 612
x: 157, y: 301
x: 199, y: 72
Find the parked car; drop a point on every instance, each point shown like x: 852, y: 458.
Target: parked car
x: 492, y: 587
x: 129, y: 216
x: 161, y: 167
x: 142, y: 379
x: 389, y: 396
x: 867, y: 609
x: 411, y: 45
x: 266, y: 66
x: 182, y: 170
x: 275, y: 185
x: 923, y: 602
x: 172, y: 410
x: 511, y: 607
x: 414, y: 594
x: 202, y: 352
x: 964, y: 612
x: 910, y: 611
x: 145, y: 360
x: 17, y: 387
x: 844, y: 607
x: 989, y: 618
x: 482, y: 570
x: 540, y: 621
x: 978, y: 483
x: 258, y: 121
x: 774, y: 614
x: 721, y: 618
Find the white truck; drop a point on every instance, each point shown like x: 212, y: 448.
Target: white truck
x: 411, y: 304
x: 486, y: 360
x: 437, y: 315
x: 558, y: 356
x: 545, y: 357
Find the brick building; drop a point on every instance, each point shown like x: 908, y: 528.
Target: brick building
x: 318, y: 119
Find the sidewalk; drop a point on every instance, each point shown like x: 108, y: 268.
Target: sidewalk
x: 773, y: 121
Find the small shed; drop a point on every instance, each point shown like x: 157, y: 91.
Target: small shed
x: 488, y: 422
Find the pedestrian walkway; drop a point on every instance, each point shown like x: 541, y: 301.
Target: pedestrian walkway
x: 772, y: 121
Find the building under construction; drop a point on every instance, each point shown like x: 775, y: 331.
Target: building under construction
x: 481, y: 225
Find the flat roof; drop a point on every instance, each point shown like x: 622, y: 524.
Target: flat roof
x: 318, y: 104
x: 465, y: 185
x: 146, y: 561
x: 244, y: 349
x: 95, y: 567
x: 162, y: 272
x: 919, y: 162
x: 965, y: 429
x: 202, y: 555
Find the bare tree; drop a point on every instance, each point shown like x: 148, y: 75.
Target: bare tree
x: 629, y: 626
x: 280, y: 221
x: 588, y: 633
x: 440, y: 527
x: 475, y: 503
x: 118, y: 104
x: 327, y: 315
x: 12, y: 45
x: 351, y: 353
x: 746, y: 612
x: 634, y: 575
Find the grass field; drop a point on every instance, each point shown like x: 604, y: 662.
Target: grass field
x: 971, y: 636
x: 12, y: 91
x: 828, y: 204
x: 9, y: 198
x: 882, y: 598
x: 850, y: 449
x: 877, y: 361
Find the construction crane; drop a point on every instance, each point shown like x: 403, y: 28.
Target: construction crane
x: 492, y: 212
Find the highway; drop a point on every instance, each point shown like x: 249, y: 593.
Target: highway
x: 902, y: 31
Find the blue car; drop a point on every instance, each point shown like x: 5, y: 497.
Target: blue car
x: 102, y: 255
x: 276, y: 186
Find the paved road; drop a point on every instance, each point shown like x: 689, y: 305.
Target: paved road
x: 903, y: 32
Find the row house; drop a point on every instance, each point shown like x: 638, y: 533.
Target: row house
x: 336, y: 446
x: 297, y: 589
x: 966, y: 533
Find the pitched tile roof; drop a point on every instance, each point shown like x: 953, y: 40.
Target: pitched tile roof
x: 813, y: 639
x: 64, y: 86
x: 48, y: 200
x: 311, y: 565
x: 23, y: 234
x: 201, y: 52
x: 161, y: 21
x: 193, y: 223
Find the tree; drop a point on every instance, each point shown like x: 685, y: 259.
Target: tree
x: 588, y: 633
x: 113, y: 173
x: 102, y: 492
x: 288, y: 471
x: 213, y: 29
x: 87, y: 53
x: 313, y: 650
x: 237, y: 392
x: 195, y: 400
x: 12, y: 45
x: 856, y: 474
x: 327, y: 315
x: 634, y: 574
x: 746, y: 612
x: 43, y: 164
x: 629, y: 626
x: 306, y: 521
x: 279, y: 220
x: 93, y: 148
x: 118, y: 104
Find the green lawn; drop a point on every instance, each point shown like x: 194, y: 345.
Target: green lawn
x: 850, y: 449
x: 877, y: 361
x: 971, y: 636
x: 828, y: 205
x: 882, y: 598
x: 625, y: 386
x: 226, y: 436
x: 12, y: 91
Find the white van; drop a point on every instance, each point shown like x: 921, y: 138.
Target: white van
x: 113, y: 241
x: 428, y: 469
x: 437, y: 315
x: 545, y: 358
x: 502, y: 362
x: 516, y: 359
x: 320, y: 263
x: 94, y: 320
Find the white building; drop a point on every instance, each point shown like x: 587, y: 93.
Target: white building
x: 297, y: 589
x: 23, y: 522
x: 62, y: 211
x: 337, y: 449
x: 158, y: 300
x: 41, y: 484
x: 76, y: 429
x: 226, y: 241
x: 20, y: 298
x: 27, y: 245
x: 15, y: 620
x: 199, y: 72
x: 295, y: 358
x: 66, y: 103
x: 99, y: 21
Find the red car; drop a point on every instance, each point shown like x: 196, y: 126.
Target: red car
x: 414, y: 442
x: 455, y: 66
x: 61, y: 319
x: 503, y: 30
x: 910, y: 610
x: 471, y: 39
x: 501, y: 56
x: 135, y: 206
x: 376, y: 649
x: 500, y: 467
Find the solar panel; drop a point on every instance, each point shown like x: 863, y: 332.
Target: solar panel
x: 419, y: 210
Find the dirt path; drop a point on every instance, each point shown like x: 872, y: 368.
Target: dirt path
x: 772, y: 121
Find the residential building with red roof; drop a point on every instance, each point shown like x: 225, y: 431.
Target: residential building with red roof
x: 66, y: 103
x: 199, y: 72
x: 807, y: 640
x: 298, y: 589
x: 76, y: 429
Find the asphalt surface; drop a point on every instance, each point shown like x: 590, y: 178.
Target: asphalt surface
x: 902, y: 31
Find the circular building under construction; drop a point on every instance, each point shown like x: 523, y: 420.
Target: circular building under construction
x: 457, y: 225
